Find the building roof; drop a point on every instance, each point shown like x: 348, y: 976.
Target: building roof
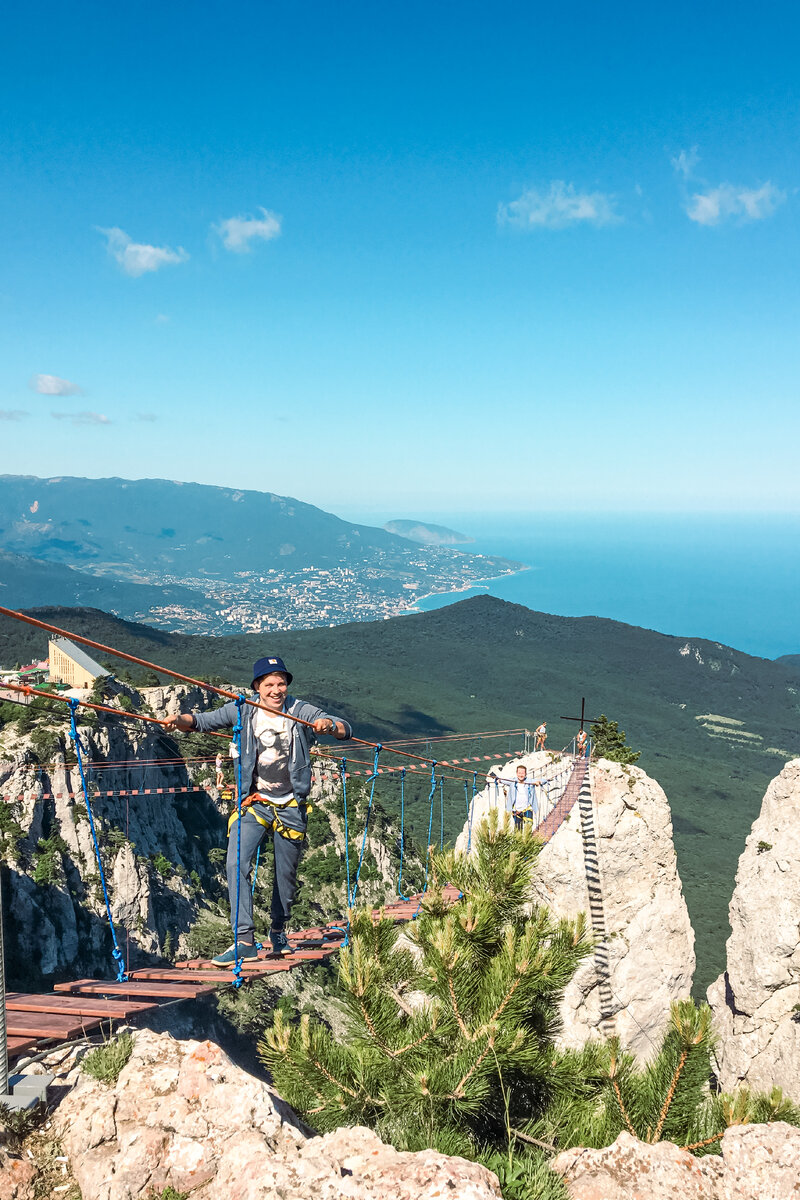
x: 79, y: 656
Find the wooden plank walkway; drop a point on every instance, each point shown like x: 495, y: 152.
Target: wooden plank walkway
x: 81, y: 1006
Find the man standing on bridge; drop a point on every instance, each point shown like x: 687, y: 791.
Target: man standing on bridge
x: 276, y: 780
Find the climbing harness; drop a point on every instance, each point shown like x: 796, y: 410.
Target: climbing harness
x: 122, y: 972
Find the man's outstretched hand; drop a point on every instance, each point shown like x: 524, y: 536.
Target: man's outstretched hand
x: 182, y: 722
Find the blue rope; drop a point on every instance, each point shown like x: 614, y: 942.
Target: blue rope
x: 400, y: 891
x: 428, y: 845
x: 370, y: 780
x: 343, y: 769
x: 237, y: 741
x: 122, y: 973
x: 471, y: 809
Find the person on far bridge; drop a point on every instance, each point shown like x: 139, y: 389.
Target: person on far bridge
x: 276, y: 780
x: 581, y: 743
x: 220, y: 772
x: 521, y: 799
x: 541, y: 735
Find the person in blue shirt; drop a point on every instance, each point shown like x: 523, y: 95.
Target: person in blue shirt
x: 521, y: 800
x: 276, y: 781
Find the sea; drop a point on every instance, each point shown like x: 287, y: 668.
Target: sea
x: 731, y: 578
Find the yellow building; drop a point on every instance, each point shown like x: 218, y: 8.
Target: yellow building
x: 71, y: 665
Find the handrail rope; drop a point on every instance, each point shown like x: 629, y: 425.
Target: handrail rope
x: 122, y: 973
x: 237, y: 739
x: 201, y: 683
x: 400, y: 891
x: 116, y: 712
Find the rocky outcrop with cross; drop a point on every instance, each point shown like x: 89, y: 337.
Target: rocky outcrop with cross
x: 613, y: 858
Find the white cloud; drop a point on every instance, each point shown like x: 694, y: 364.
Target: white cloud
x: 686, y: 161
x: 52, y: 385
x: 238, y: 232
x: 12, y: 414
x: 82, y: 418
x: 137, y: 258
x: 731, y: 200
x: 562, y: 205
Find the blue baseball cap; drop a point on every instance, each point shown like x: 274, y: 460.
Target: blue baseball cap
x: 268, y: 666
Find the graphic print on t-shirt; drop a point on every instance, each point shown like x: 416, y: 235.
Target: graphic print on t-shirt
x: 272, y: 767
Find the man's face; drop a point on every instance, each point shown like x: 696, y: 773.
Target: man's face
x: 521, y: 773
x: 272, y: 690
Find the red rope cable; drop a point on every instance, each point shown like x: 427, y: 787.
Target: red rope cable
x: 144, y: 662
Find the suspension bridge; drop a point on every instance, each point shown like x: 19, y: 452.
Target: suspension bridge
x: 77, y: 1008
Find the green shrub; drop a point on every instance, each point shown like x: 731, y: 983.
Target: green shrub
x: 47, y: 859
x: 106, y: 1062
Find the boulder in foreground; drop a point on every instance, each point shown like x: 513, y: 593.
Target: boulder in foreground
x: 182, y: 1115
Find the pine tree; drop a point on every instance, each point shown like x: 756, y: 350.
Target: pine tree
x: 608, y: 741
x: 451, y: 1019
x: 449, y: 1036
x: 667, y: 1099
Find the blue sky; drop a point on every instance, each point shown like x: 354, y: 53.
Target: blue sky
x: 416, y: 258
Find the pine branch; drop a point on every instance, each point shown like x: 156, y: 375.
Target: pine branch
x: 459, y: 1092
x: 625, y: 1116
x: 453, y: 1000
x: 709, y: 1141
x: 670, y: 1095
x: 526, y: 1137
x: 410, y: 1046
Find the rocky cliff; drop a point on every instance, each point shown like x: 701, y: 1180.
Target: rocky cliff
x: 756, y: 1002
x: 614, y: 859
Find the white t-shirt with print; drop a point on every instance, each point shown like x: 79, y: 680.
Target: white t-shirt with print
x: 271, y: 776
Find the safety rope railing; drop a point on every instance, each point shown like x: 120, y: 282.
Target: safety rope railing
x: 200, y: 683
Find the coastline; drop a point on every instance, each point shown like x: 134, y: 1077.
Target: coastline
x: 479, y: 584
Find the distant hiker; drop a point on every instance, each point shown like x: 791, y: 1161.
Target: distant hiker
x: 521, y: 798
x: 220, y: 771
x: 541, y: 736
x: 580, y: 744
x: 276, y: 780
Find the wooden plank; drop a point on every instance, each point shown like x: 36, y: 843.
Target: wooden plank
x: 18, y: 1045
x: 212, y: 974
x: 48, y: 1025
x: 83, y: 1006
x: 135, y: 989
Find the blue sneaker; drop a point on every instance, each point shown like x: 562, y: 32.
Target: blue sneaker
x: 228, y: 957
x: 280, y: 942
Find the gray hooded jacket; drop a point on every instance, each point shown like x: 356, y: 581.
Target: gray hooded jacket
x: 301, y: 738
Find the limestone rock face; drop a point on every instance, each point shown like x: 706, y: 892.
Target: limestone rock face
x: 754, y: 1001
x: 757, y: 1161
x: 613, y: 858
x: 181, y: 1115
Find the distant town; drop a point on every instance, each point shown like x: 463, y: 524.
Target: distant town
x: 379, y: 587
